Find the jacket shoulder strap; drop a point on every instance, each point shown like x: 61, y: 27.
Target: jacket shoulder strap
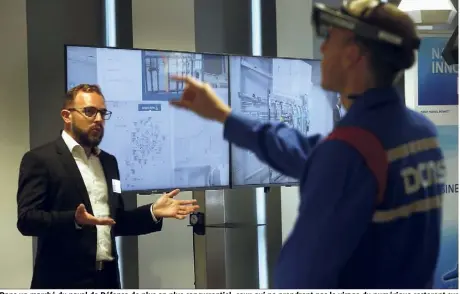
x: 370, y: 147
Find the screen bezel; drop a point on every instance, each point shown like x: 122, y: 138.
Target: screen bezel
x: 162, y: 190
x: 261, y: 185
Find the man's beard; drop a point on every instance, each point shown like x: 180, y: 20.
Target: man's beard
x: 85, y: 139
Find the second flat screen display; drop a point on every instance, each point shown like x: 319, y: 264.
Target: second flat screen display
x: 158, y: 147
x: 277, y: 89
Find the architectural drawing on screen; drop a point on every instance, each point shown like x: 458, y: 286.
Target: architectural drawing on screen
x: 200, y: 151
x: 146, y: 135
x: 159, y: 147
x: 159, y: 67
x: 81, y: 66
x: 281, y: 90
x: 139, y: 137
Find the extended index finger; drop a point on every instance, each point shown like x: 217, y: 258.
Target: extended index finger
x: 187, y: 202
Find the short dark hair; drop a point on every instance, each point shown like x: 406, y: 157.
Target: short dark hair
x: 390, y: 18
x: 72, y: 93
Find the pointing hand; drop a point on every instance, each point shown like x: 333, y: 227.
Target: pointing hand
x: 200, y: 98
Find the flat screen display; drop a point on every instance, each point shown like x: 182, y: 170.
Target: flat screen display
x: 281, y: 90
x: 158, y: 147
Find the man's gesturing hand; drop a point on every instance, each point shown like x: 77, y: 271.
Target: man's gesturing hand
x: 200, y: 98
x: 166, y: 206
x: 82, y: 217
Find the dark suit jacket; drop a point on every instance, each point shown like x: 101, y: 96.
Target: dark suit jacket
x: 50, y: 189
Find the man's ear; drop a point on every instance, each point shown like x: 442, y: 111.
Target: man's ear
x: 66, y: 115
x: 351, y: 55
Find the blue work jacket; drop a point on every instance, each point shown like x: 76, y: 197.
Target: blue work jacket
x: 341, y: 238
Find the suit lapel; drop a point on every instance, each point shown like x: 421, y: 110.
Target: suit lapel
x: 103, y: 158
x: 72, y: 169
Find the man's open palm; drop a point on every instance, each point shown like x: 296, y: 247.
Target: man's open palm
x: 82, y: 217
x: 167, y: 206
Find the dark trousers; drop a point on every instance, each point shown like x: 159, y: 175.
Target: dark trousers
x: 106, y: 276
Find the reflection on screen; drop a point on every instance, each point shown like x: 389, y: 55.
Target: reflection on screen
x: 157, y: 147
x: 278, y: 90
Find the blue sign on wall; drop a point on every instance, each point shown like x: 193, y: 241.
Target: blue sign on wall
x: 446, y: 275
x: 437, y: 81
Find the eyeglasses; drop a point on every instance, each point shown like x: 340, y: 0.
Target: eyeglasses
x: 91, y: 112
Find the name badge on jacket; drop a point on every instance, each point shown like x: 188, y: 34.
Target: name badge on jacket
x: 116, y: 186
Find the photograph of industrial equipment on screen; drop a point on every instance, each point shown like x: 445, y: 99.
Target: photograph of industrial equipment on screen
x: 279, y: 90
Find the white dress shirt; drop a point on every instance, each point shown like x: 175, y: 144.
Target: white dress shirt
x: 94, y: 178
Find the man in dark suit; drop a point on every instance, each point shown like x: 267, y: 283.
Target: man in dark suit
x: 69, y: 196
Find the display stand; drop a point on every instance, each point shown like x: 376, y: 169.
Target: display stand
x: 232, y: 248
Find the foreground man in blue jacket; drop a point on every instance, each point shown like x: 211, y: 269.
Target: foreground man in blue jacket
x: 345, y: 235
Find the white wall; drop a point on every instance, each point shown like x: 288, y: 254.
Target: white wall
x: 295, y: 38
x: 16, y: 250
x: 165, y: 258
x: 411, y: 86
